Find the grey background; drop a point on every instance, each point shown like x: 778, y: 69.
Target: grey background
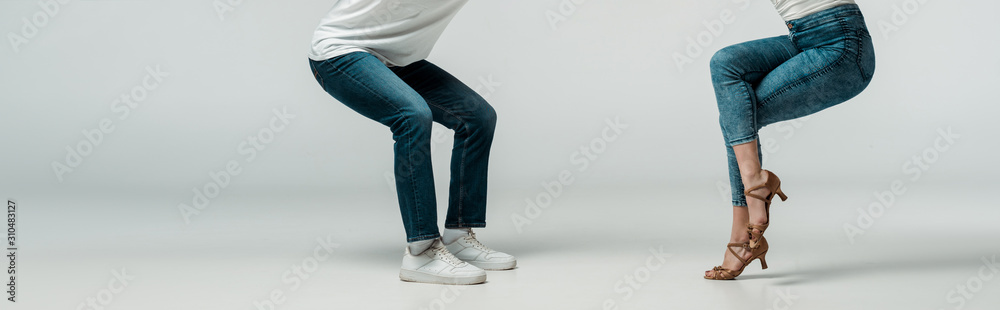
x: 610, y: 59
x: 663, y: 181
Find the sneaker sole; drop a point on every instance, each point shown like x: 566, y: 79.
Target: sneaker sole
x: 494, y: 266
x: 416, y: 276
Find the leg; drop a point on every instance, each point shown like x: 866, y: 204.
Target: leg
x: 741, y: 218
x: 811, y: 81
x: 750, y: 173
x: 736, y: 175
x: 364, y: 84
x: 461, y: 109
x: 736, y: 72
x: 805, y: 83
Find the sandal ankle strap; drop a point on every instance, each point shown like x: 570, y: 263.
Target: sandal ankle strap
x: 756, y: 233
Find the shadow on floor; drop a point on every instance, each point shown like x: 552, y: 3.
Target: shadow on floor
x: 873, y: 268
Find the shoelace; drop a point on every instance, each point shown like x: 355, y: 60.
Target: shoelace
x: 442, y: 253
x: 471, y: 238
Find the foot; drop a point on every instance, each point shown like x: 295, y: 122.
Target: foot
x: 470, y: 250
x: 437, y: 265
x: 758, y: 208
x: 729, y: 261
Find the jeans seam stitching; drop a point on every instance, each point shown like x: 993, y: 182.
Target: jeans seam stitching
x: 409, y: 154
x: 461, y: 170
x: 318, y: 76
x: 826, y: 69
x: 746, y: 91
x: 861, y: 33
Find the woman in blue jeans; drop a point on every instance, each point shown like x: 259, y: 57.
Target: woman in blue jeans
x: 826, y: 59
x: 369, y: 55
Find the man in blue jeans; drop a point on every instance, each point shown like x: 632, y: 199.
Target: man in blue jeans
x: 369, y: 55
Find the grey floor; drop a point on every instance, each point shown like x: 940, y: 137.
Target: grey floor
x: 590, y: 249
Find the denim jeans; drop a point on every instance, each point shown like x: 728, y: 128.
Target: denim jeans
x: 408, y: 100
x: 826, y: 59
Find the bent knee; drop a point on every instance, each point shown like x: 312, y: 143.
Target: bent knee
x: 480, y: 115
x: 487, y: 117
x: 724, y: 60
x: 413, y: 119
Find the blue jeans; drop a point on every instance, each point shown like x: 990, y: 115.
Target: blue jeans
x: 408, y: 100
x: 826, y: 59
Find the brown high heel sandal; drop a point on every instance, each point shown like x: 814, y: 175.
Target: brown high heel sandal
x: 757, y: 246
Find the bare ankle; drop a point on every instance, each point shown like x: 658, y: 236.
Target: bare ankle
x: 752, y: 178
x: 758, y: 213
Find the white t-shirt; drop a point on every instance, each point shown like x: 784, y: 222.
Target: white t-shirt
x: 795, y: 9
x: 398, y: 32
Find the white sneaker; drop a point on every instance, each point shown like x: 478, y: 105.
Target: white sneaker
x: 438, y: 266
x: 469, y: 249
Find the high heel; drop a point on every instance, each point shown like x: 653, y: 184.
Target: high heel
x: 757, y: 246
x: 772, y: 183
